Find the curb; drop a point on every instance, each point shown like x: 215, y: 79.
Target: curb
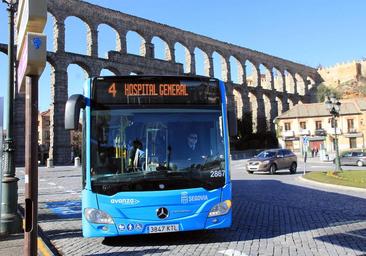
x: 45, y: 247
x: 332, y: 185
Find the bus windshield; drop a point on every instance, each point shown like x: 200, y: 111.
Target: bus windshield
x: 156, y: 149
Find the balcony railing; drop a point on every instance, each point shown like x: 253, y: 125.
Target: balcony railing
x: 287, y: 134
x: 331, y: 131
x: 304, y: 132
x: 352, y: 130
x: 320, y: 132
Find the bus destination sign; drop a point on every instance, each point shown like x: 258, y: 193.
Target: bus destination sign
x: 124, y: 90
x: 152, y: 89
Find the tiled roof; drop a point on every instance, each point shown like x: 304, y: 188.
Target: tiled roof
x: 361, y: 102
x: 318, y: 109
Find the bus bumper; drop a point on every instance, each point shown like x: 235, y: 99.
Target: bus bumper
x: 135, y: 227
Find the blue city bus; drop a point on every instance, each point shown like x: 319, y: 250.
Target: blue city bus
x: 155, y: 154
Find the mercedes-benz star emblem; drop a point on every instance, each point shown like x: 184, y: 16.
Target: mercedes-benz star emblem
x: 162, y: 213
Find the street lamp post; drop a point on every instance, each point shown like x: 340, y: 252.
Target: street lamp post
x: 334, y: 107
x: 10, y: 221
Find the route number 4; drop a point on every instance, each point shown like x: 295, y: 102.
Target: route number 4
x: 112, y: 90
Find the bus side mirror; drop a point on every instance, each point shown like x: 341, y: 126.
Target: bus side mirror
x: 233, y: 123
x: 72, y: 111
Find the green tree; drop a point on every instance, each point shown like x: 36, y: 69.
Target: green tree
x: 323, y: 91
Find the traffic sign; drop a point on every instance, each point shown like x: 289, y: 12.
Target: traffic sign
x: 305, y: 140
x: 33, y: 58
x: 32, y: 17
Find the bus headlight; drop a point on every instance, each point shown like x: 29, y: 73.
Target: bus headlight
x: 97, y: 216
x: 220, y: 209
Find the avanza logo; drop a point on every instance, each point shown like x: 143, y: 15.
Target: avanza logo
x: 127, y: 201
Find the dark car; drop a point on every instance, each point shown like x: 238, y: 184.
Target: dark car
x: 353, y: 158
x: 273, y: 160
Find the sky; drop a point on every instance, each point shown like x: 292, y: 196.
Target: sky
x: 311, y: 32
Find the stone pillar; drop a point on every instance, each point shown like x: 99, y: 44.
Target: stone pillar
x: 59, y: 35
x: 306, y: 86
x: 261, y: 112
x: 169, y: 52
x: 226, y: 70
x: 92, y: 41
x: 121, y: 44
x: 284, y: 85
x: 230, y: 97
x: 244, y: 75
x: 272, y: 79
x: 60, y: 148
x: 285, y: 105
x: 209, y: 66
x: 273, y: 113
x: 246, y: 102
x: 191, y: 62
x: 19, y: 128
x: 147, y: 50
x: 295, y: 85
x: 258, y: 75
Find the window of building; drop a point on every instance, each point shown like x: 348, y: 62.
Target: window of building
x: 352, y: 143
x: 350, y: 125
x: 318, y: 125
x: 303, y: 125
x: 287, y: 126
x: 332, y: 121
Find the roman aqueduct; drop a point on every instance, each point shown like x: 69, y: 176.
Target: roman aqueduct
x: 261, y: 84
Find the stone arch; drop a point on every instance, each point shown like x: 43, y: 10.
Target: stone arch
x: 266, y: 77
x: 300, y: 83
x: 201, y: 60
x: 79, y: 43
x: 277, y: 79
x: 290, y: 82
x: 162, y: 50
x: 236, y: 70
x: 106, y: 31
x: 135, y: 43
x: 108, y: 71
x: 251, y: 74
x: 310, y: 82
x: 290, y: 103
x: 220, y: 67
x: 77, y: 73
x: 135, y: 72
x: 182, y: 56
x: 253, y: 106
x: 238, y: 104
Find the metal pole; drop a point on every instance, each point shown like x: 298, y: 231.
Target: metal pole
x: 338, y: 163
x: 31, y: 166
x: 10, y: 221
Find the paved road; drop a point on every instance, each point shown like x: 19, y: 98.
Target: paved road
x: 273, y: 215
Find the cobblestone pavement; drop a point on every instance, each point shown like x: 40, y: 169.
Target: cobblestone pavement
x: 273, y: 215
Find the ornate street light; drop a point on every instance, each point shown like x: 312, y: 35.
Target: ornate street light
x: 334, y: 107
x: 9, y: 220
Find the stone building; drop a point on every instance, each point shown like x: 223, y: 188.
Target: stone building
x: 315, y: 122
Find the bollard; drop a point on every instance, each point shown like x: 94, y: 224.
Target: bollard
x: 77, y: 162
x: 49, y: 163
